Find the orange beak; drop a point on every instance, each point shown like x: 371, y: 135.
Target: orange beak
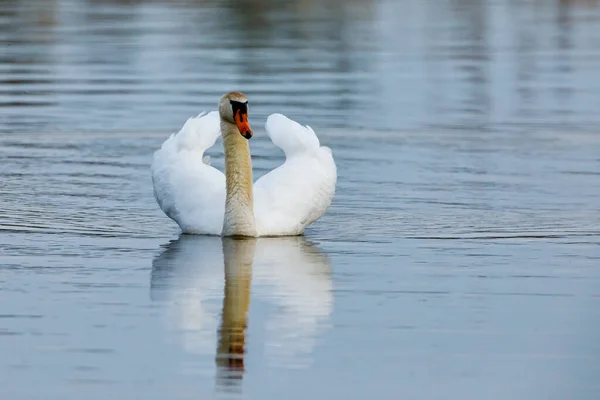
x: 241, y: 120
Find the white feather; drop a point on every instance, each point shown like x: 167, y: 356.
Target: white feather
x: 189, y: 191
x: 297, y: 193
x: 286, y: 200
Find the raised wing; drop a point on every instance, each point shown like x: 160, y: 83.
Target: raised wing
x: 187, y: 189
x: 297, y: 193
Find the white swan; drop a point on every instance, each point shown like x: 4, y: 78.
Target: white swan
x: 203, y: 200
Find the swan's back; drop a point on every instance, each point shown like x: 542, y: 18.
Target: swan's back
x: 187, y: 190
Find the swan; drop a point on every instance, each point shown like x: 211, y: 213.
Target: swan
x: 203, y: 200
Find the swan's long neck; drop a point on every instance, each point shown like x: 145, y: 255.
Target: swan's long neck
x: 239, y: 211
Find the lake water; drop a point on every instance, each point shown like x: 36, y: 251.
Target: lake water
x: 460, y: 258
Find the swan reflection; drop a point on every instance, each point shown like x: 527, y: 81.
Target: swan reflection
x: 208, y: 284
x: 238, y: 255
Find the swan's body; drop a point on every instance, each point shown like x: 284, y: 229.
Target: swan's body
x: 203, y: 200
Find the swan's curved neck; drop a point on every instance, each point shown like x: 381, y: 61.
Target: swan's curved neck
x: 239, y: 211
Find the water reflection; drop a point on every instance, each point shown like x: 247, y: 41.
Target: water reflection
x: 290, y: 276
x: 238, y: 255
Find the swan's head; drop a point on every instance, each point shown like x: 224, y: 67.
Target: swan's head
x: 233, y: 108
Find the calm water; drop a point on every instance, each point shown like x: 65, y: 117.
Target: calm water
x: 460, y: 258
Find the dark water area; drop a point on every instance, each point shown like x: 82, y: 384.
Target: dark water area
x: 460, y: 257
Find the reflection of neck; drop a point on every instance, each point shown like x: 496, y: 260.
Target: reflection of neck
x: 238, y: 255
x: 239, y: 212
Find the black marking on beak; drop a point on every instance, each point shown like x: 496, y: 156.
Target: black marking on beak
x: 238, y: 105
x: 240, y: 114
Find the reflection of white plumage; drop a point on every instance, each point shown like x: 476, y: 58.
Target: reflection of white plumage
x: 287, y: 272
x: 203, y: 200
